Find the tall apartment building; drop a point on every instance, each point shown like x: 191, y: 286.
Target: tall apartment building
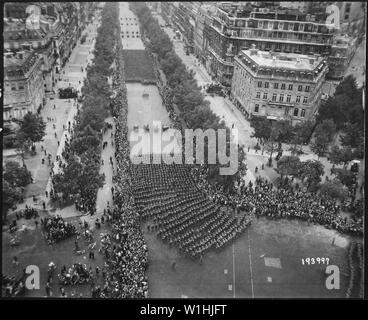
x: 278, y: 86
x: 36, y: 45
x: 342, y: 51
x: 201, y: 32
x: 23, y: 84
x: 236, y: 27
x: 352, y: 16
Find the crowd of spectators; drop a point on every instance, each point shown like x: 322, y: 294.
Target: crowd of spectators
x: 56, y: 229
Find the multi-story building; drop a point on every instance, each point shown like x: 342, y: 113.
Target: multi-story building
x: 23, y: 84
x: 167, y: 11
x: 237, y: 26
x: 352, y: 17
x: 184, y: 20
x: 342, y: 51
x: 278, y: 85
x: 201, y: 35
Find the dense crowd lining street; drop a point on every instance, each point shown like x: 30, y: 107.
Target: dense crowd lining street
x: 144, y: 217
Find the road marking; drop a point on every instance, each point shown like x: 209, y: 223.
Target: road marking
x: 250, y: 264
x: 234, y: 270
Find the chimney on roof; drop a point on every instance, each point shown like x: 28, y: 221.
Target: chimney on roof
x: 298, y: 60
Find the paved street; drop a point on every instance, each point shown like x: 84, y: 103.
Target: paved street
x: 57, y: 113
x: 357, y: 65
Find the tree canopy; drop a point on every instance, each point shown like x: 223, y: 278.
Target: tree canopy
x: 32, y: 127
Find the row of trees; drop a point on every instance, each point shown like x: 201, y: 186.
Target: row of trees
x: 81, y: 176
x: 341, y: 113
x: 15, y: 178
x: 194, y: 109
x: 344, y: 113
x: 310, y: 173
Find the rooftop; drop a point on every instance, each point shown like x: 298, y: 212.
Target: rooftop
x: 291, y: 61
x: 14, y: 59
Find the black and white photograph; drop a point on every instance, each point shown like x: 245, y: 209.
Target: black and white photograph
x: 183, y: 150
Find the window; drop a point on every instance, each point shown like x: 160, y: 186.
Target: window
x: 307, y: 88
x: 265, y: 96
x: 21, y: 87
x: 276, y: 85
x: 288, y: 98
x: 256, y: 108
x: 297, y: 99
x: 281, y: 98
x: 302, y: 114
x: 300, y: 88
x: 259, y: 84
x: 267, y: 84
x: 258, y: 95
x: 290, y: 87
x: 282, y: 86
x: 13, y: 87
x: 296, y: 111
x: 305, y: 99
x: 274, y: 96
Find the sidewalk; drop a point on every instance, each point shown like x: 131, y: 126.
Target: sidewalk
x: 104, y: 194
x: 63, y: 112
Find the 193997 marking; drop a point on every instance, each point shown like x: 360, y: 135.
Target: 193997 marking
x: 316, y: 260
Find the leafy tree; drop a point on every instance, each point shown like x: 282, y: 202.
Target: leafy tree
x: 311, y: 171
x: 326, y: 128
x: 341, y: 155
x: 285, y: 130
x: 262, y: 128
x: 33, y: 127
x: 22, y: 144
x: 16, y: 175
x: 11, y: 196
x: 345, y: 176
x: 271, y: 144
x: 301, y: 133
x: 334, y: 189
x: 288, y: 166
x: 344, y: 106
x: 352, y: 136
x: 320, y: 145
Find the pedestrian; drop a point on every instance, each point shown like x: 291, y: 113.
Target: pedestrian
x: 15, y: 261
x: 58, y: 143
x: 54, y: 106
x: 55, y: 134
x: 173, y: 265
x: 44, y: 205
x: 256, y: 170
x: 48, y: 289
x: 36, y: 223
x: 43, y: 161
x: 46, y: 194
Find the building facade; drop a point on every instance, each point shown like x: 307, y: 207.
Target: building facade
x: 279, y: 86
x: 237, y: 26
x: 36, y: 45
x: 342, y: 51
x: 23, y: 84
